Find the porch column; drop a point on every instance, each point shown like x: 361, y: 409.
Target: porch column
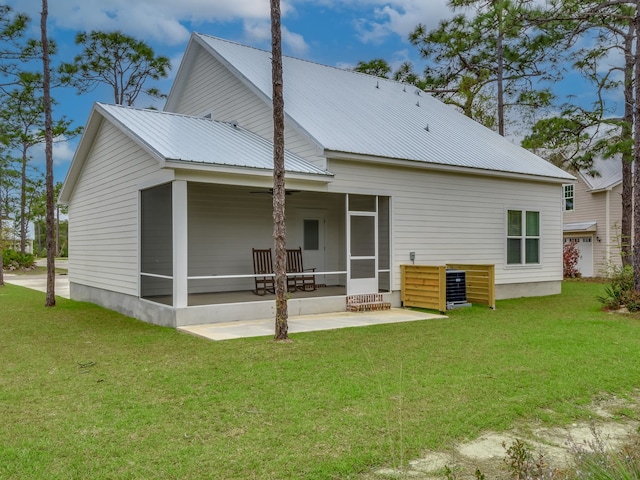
x: 180, y: 244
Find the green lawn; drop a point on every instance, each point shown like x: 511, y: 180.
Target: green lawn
x: 88, y: 393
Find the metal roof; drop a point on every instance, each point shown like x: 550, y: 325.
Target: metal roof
x: 201, y: 140
x: 350, y: 112
x: 609, y: 170
x: 579, y: 227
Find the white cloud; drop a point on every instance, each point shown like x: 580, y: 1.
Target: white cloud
x: 257, y: 31
x: 163, y: 20
x: 260, y: 33
x: 400, y: 17
x: 158, y: 20
x: 63, y: 151
x: 294, y: 41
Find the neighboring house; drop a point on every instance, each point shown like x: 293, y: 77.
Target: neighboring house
x: 165, y: 207
x: 593, y: 215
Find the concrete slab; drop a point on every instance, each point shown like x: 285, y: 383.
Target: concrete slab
x: 39, y: 282
x: 305, y: 323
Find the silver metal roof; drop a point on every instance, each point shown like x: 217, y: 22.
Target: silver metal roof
x: 351, y: 112
x: 196, y: 139
x: 610, y: 173
x: 579, y: 227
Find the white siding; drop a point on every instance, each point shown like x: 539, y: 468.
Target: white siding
x: 615, y: 222
x: 211, y: 88
x: 455, y: 218
x: 589, y: 206
x: 103, y: 213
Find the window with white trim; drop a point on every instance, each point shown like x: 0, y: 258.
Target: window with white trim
x: 523, y: 237
x: 568, y: 202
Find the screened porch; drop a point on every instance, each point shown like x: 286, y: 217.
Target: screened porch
x: 196, y: 242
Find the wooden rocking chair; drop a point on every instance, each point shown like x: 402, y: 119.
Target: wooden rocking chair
x: 263, y: 265
x: 301, y: 281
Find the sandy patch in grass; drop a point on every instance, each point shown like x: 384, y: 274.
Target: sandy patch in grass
x: 488, y: 452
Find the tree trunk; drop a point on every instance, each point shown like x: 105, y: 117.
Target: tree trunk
x: 48, y: 128
x: 500, y: 72
x: 279, y: 228
x: 636, y: 153
x: 627, y: 157
x: 23, y: 201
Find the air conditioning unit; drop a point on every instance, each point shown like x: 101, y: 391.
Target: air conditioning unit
x: 456, y: 289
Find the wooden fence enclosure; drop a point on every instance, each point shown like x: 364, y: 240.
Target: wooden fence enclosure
x: 425, y: 286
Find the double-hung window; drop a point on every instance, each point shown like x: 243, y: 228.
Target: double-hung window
x: 568, y: 198
x: 523, y: 237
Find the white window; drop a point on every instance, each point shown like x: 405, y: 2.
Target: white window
x: 523, y: 237
x: 568, y: 203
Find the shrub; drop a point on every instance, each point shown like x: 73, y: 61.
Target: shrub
x: 632, y: 301
x: 595, y: 461
x: 570, y: 257
x: 620, y: 291
x: 14, y: 260
x: 592, y: 460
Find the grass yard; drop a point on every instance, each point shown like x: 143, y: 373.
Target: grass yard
x: 88, y: 393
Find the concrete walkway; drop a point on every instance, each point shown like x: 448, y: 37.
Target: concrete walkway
x: 39, y: 282
x: 306, y: 323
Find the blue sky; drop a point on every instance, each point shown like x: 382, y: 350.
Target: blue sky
x: 332, y: 32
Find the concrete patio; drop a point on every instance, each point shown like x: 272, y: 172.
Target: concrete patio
x: 306, y: 323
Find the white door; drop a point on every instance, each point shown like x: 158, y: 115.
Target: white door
x: 362, y: 244
x: 585, y: 248
x: 313, y: 241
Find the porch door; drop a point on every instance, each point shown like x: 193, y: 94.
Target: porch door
x: 313, y: 240
x: 362, y: 244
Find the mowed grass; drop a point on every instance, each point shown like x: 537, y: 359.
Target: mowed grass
x: 88, y: 393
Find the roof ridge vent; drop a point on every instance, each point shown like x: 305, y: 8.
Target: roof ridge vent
x: 234, y: 123
x: 208, y: 116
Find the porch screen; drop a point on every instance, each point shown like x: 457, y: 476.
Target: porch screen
x: 156, y: 243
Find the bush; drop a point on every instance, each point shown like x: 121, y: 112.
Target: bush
x: 595, y: 461
x: 570, y: 257
x: 620, y: 291
x: 14, y: 260
x: 632, y: 301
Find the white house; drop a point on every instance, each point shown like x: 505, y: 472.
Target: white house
x: 593, y: 216
x: 165, y: 207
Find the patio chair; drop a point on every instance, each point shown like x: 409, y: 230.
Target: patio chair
x: 263, y: 265
x: 301, y: 281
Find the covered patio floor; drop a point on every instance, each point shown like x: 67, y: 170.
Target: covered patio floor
x: 245, y: 296
x: 306, y: 323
